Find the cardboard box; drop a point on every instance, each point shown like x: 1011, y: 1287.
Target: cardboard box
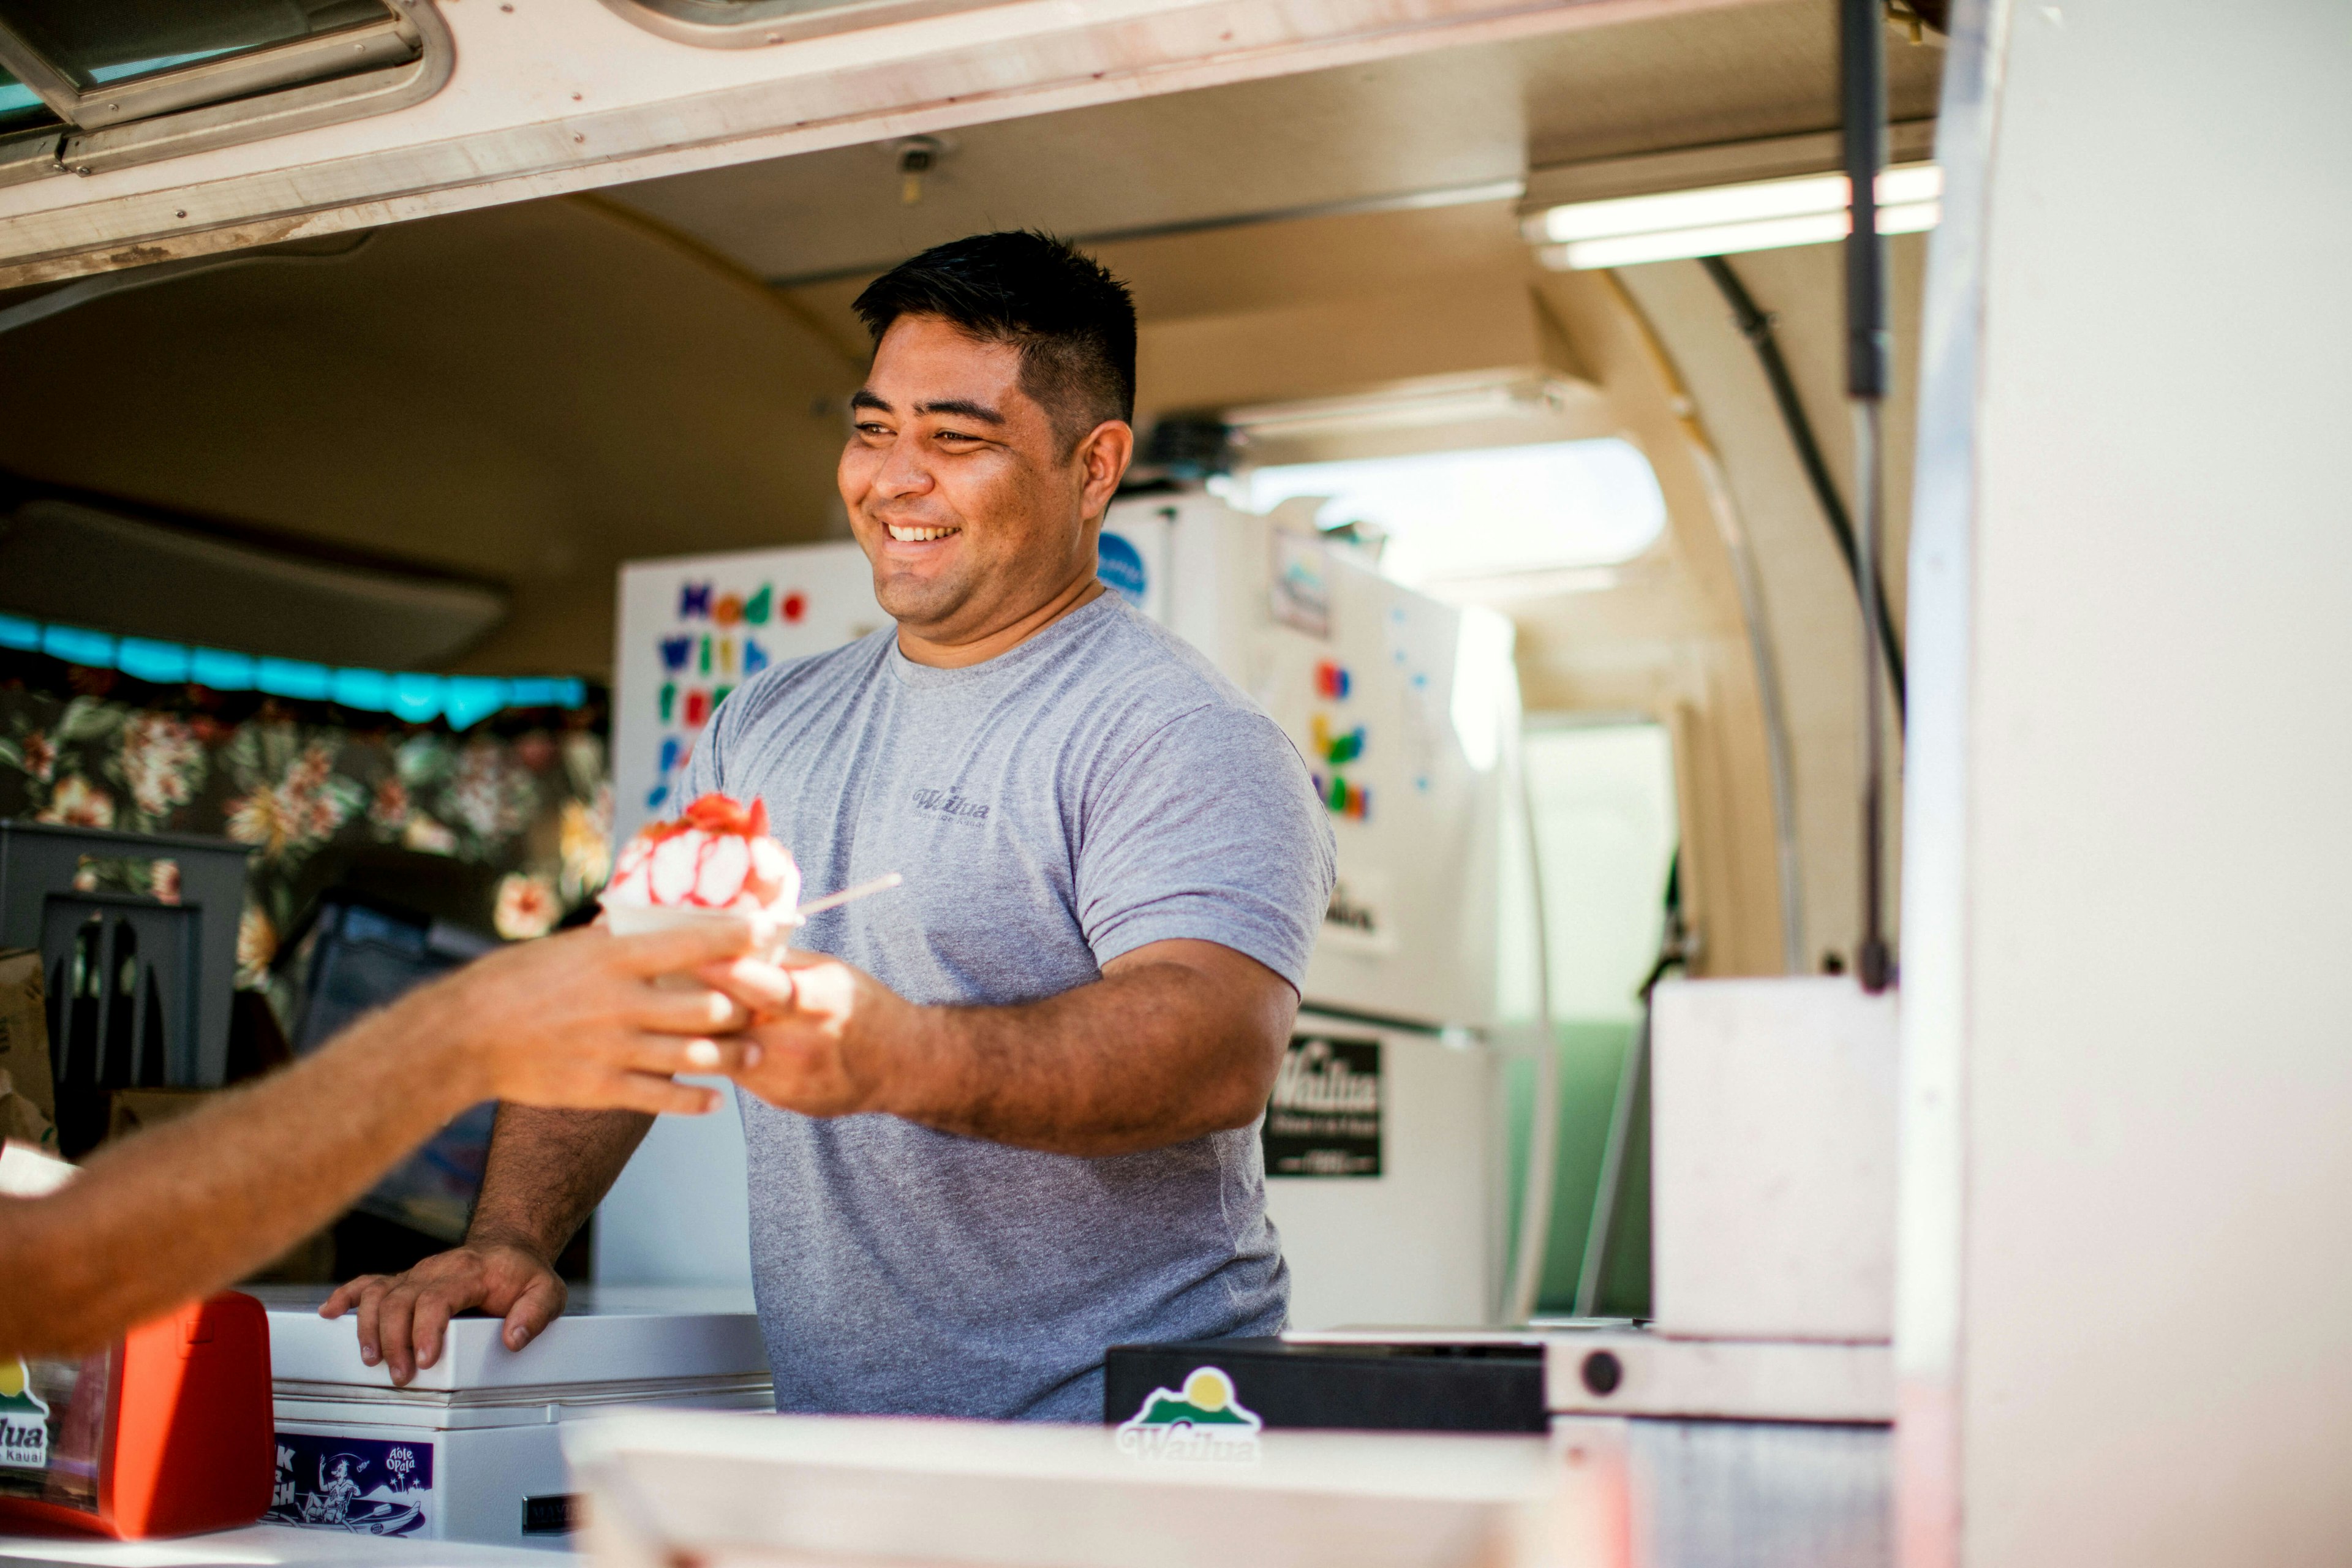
x: 21, y: 1120
x: 131, y: 1111
x: 24, y: 1029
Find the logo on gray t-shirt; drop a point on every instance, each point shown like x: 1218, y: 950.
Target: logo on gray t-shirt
x: 948, y: 803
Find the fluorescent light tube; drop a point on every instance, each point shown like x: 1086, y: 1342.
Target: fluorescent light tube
x: 1728, y: 239
x: 1760, y: 215
x: 1711, y: 208
x: 1906, y: 184
x: 1433, y: 400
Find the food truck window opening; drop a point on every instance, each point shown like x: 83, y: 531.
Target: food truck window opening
x: 1602, y: 807
x: 1602, y: 791
x: 132, y: 83
x: 755, y: 24
x: 1483, y: 512
x: 21, y: 108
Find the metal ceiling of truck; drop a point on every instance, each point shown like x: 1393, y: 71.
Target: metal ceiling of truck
x: 1449, y: 120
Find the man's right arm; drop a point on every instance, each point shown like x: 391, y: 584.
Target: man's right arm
x: 547, y: 1169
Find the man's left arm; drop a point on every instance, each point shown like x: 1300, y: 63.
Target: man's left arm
x: 1179, y: 1038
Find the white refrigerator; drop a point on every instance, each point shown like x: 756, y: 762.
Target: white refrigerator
x: 1384, y: 1141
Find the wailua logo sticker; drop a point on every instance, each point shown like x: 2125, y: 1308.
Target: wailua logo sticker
x: 23, y: 1419
x: 1205, y: 1421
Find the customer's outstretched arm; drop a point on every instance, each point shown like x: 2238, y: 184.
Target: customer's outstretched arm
x: 177, y: 1212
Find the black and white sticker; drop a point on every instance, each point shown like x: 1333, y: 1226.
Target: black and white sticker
x: 1324, y: 1118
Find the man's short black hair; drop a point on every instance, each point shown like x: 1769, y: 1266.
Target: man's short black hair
x: 1072, y: 321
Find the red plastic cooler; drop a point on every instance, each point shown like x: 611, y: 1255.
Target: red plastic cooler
x: 166, y: 1432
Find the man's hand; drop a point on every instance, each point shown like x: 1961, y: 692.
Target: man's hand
x: 1178, y: 1038
x: 825, y: 1037
x: 578, y: 1020
x: 403, y: 1317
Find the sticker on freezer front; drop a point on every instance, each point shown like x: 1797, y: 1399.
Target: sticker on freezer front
x: 1204, y: 1420
x: 1324, y: 1117
x: 367, y: 1486
x: 23, y: 1419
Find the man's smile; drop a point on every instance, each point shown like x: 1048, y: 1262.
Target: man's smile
x: 906, y: 533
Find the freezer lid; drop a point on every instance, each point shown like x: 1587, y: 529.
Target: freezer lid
x: 607, y: 1334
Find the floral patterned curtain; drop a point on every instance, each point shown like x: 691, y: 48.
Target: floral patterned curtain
x: 523, y: 798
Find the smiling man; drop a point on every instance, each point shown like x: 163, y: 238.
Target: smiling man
x: 1006, y: 1117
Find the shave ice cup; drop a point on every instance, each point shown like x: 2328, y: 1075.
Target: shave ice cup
x: 715, y: 861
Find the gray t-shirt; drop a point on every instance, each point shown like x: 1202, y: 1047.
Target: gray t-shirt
x: 1098, y: 787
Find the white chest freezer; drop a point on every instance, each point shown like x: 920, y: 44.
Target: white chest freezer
x: 471, y: 1450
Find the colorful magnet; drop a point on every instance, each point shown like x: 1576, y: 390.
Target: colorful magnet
x: 729, y: 610
x: 1344, y: 799
x: 1336, y: 750
x: 755, y: 608
x: 675, y: 652
x: 755, y: 658
x: 697, y: 709
x: 795, y: 607
x: 693, y: 601
x: 1332, y: 682
x: 668, y: 701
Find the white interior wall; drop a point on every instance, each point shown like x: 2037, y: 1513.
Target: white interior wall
x: 2122, y: 1329
x: 1813, y: 618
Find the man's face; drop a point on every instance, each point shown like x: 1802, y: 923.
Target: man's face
x: 961, y: 491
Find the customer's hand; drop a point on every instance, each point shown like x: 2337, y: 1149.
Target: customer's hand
x: 823, y: 1036
x: 578, y: 1021
x: 403, y: 1318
